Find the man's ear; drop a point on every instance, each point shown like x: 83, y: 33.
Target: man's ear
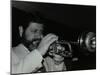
x: 20, y: 31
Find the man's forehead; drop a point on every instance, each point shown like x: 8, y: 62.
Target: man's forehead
x: 35, y: 26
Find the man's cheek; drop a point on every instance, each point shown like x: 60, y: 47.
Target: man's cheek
x: 29, y: 38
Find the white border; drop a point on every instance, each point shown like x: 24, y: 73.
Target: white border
x: 80, y: 2
x: 5, y: 36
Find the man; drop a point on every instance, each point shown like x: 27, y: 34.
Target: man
x: 27, y: 56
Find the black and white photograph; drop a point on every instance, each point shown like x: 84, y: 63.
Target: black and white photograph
x: 52, y: 37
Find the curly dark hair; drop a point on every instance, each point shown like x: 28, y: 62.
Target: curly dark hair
x: 20, y: 17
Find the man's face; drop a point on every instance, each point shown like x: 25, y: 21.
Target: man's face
x: 32, y: 35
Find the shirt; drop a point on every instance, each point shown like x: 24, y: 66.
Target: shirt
x: 24, y: 61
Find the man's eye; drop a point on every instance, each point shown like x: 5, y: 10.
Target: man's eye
x: 36, y: 31
x: 32, y: 31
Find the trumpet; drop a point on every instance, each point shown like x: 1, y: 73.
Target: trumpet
x: 86, y: 43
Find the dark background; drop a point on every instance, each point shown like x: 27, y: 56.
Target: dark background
x: 66, y: 21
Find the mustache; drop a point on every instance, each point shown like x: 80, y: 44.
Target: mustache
x: 33, y: 44
x: 35, y: 41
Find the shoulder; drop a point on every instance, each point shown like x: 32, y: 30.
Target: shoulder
x: 15, y: 54
x: 14, y: 57
x: 20, y: 50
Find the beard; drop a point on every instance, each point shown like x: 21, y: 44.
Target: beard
x: 30, y: 44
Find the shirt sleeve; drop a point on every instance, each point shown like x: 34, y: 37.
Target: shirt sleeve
x: 30, y: 63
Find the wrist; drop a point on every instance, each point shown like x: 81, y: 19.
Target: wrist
x: 41, y: 52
